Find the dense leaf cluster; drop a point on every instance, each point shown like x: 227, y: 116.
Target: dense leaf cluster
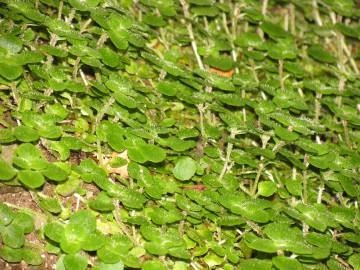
x: 190, y: 134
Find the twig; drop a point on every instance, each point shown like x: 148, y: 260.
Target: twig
x: 201, y: 109
x: 316, y: 13
x: 257, y: 178
x: 229, y: 149
x: 185, y: 8
x: 264, y: 7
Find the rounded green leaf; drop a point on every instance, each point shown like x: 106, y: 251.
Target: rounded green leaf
x: 286, y: 263
x: 27, y: 156
x: 75, y: 262
x: 6, y: 171
x: 32, y: 256
x: 255, y: 264
x: 51, y: 205
x: 31, y: 179
x: 54, y: 231
x: 93, y: 241
x: 185, y: 168
x: 11, y: 255
x: 153, y: 265
x: 223, y: 63
x: 84, y: 219
x: 266, y: 188
x: 10, y: 72
x: 249, y: 40
x: 102, y: 202
x: 11, y: 43
x: 25, y: 134
x: 6, y: 214
x: 13, y: 236
x: 57, y: 171
x: 107, y: 266
x: 354, y: 260
x: 24, y: 221
x: 114, y: 249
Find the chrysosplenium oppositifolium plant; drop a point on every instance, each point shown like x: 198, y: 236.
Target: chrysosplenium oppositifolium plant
x: 180, y: 134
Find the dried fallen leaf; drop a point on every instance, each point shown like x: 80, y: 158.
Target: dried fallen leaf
x: 227, y: 74
x: 123, y: 170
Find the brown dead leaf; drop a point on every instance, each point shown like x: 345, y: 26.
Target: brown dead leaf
x: 123, y: 170
x: 227, y: 74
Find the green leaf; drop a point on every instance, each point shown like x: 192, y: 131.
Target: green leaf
x: 25, y: 134
x: 153, y: 265
x: 114, y: 249
x: 24, y: 221
x: 143, y: 152
x: 169, y: 88
x: 57, y: 171
x: 354, y: 261
x: 273, y: 30
x: 223, y: 63
x: 11, y: 255
x: 154, y: 20
x: 286, y: 263
x: 205, y: 11
x: 321, y: 55
x: 285, y: 134
x: 294, y: 186
x: 322, y: 162
x: 312, y: 213
x: 185, y: 168
x: 109, y: 57
x: 51, y: 205
x: 84, y: 5
x: 11, y: 43
x: 119, y: 39
x: 10, y: 72
x: 7, y: 172
x: 107, y: 266
x: 32, y: 256
x: 266, y: 188
x: 31, y: 179
x: 27, y: 156
x: 75, y: 262
x: 282, y: 49
x: 161, y: 216
x: 84, y: 219
x: 102, y: 203
x: 255, y: 264
x: 249, y: 40
x: 213, y: 260
x: 6, y: 215
x: 54, y: 231
x: 263, y: 245
x: 287, y: 238
x: 93, y: 241
x: 13, y: 236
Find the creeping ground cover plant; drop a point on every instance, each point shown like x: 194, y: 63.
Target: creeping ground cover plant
x: 179, y: 134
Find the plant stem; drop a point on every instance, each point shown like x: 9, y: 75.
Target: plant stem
x: 185, y: 8
x: 316, y: 13
x: 257, y: 178
x: 229, y: 149
x: 264, y: 7
x: 292, y: 19
x: 281, y: 73
x: 305, y: 187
